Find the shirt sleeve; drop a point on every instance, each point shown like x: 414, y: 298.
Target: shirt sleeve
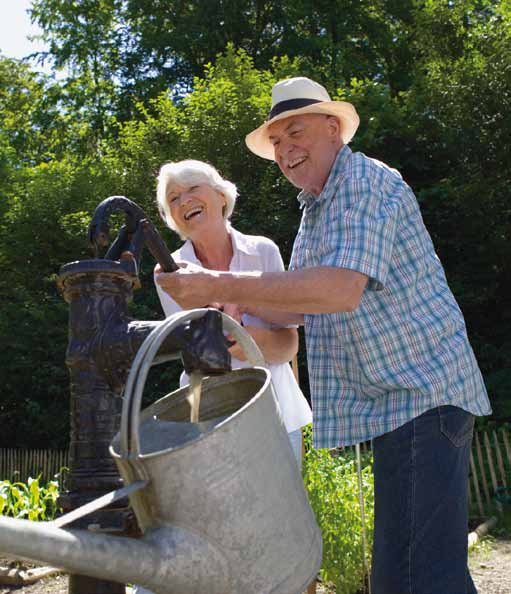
x: 168, y: 304
x: 362, y: 235
x: 273, y: 262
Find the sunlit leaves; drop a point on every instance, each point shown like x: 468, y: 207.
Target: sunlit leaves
x: 32, y: 500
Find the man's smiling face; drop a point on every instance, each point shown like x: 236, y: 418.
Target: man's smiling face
x: 305, y: 149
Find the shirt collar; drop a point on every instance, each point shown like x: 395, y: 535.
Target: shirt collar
x: 240, y: 243
x: 306, y: 199
x: 187, y: 252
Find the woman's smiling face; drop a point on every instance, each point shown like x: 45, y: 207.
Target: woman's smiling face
x: 195, y: 205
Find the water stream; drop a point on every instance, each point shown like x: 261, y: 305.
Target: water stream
x: 194, y: 395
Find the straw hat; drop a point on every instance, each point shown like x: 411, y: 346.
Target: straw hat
x: 295, y: 96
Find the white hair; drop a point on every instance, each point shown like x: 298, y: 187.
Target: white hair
x: 190, y: 172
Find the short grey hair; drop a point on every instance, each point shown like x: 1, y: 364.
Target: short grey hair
x: 190, y: 172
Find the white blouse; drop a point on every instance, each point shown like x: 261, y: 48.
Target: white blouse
x: 253, y: 253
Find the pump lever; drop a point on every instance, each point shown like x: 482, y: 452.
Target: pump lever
x: 99, y: 228
x: 157, y: 246
x: 132, y: 235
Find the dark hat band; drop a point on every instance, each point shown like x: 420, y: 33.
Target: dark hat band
x: 290, y: 104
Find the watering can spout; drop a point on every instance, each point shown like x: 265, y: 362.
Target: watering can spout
x: 168, y: 559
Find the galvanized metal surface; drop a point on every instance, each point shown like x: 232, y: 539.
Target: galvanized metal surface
x: 225, y: 511
x: 97, y: 504
x: 162, y: 560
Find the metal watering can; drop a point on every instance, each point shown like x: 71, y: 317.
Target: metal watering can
x: 221, y: 503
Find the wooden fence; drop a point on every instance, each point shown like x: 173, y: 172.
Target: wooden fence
x: 490, y: 467
x: 490, y: 470
x: 18, y: 464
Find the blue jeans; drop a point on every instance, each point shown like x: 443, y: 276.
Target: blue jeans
x: 421, y: 505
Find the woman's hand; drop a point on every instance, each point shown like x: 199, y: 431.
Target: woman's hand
x: 272, y: 316
x: 233, y: 310
x: 237, y: 351
x: 278, y: 345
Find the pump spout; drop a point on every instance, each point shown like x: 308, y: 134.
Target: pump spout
x: 167, y: 560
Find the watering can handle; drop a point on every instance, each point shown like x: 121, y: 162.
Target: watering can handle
x: 130, y: 417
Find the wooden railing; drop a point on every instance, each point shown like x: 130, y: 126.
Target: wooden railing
x: 18, y: 464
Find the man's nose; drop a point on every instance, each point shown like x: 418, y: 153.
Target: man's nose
x: 281, y: 150
x: 287, y: 148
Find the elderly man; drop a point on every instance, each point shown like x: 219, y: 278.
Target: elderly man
x: 388, y: 354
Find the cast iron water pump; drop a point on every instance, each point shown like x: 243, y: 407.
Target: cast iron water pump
x: 103, y: 341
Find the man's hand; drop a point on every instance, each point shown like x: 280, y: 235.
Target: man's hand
x: 191, y: 286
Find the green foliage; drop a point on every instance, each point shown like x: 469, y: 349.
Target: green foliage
x: 32, y: 500
x: 146, y: 84
x: 85, y: 37
x: 210, y: 124
x: 461, y: 95
x: 499, y: 388
x: 332, y: 486
x: 119, y: 53
x: 44, y: 226
x: 28, y: 115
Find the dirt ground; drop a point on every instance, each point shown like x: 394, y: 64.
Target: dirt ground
x: 490, y: 567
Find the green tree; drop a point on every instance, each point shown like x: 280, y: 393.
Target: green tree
x: 85, y: 39
x: 30, y: 127
x: 121, y: 52
x: 462, y: 97
x: 43, y: 228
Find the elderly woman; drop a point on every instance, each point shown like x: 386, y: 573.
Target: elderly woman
x: 196, y: 202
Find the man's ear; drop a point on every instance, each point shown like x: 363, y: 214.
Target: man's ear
x: 334, y: 127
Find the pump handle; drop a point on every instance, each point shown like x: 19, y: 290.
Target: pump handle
x: 132, y: 235
x: 157, y: 247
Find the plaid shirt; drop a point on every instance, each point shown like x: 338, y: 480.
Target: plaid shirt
x: 404, y: 350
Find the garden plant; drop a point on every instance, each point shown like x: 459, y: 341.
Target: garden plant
x: 33, y: 500
x: 332, y: 485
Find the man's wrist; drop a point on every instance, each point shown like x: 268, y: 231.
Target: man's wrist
x: 236, y: 287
